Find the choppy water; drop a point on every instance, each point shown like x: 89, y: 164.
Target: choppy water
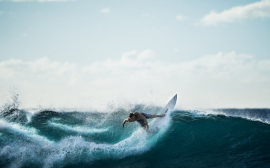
x: 209, y: 138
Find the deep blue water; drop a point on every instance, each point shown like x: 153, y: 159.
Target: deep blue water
x: 207, y: 138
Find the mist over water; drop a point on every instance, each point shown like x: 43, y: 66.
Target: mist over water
x: 209, y: 138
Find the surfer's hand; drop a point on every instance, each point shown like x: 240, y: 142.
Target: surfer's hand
x: 147, y: 127
x: 124, y: 123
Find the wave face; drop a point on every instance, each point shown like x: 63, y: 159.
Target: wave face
x: 213, y: 138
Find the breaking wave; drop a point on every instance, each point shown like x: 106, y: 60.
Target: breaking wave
x: 190, y: 138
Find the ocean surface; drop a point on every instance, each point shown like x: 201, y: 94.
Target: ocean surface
x: 192, y: 138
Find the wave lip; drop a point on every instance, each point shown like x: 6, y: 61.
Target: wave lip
x: 260, y: 115
x: 23, y: 130
x: 80, y: 129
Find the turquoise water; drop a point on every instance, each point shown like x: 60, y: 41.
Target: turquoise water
x: 210, y: 138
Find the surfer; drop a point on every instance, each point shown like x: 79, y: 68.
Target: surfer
x: 141, y: 118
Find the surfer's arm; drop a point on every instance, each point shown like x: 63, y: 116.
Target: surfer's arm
x: 128, y: 120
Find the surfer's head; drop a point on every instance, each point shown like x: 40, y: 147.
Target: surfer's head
x: 131, y: 115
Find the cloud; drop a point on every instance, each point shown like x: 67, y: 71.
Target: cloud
x: 180, y: 17
x: 130, y: 60
x: 259, y: 9
x: 229, y: 66
x: 225, y: 79
x: 106, y: 10
x: 40, y: 68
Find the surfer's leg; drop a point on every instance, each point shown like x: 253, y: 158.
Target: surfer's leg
x: 154, y: 116
x: 147, y: 116
x: 161, y: 115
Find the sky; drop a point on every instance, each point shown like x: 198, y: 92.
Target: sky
x: 97, y: 54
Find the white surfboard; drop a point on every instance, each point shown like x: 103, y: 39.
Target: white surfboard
x: 170, y: 106
x: 158, y: 123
